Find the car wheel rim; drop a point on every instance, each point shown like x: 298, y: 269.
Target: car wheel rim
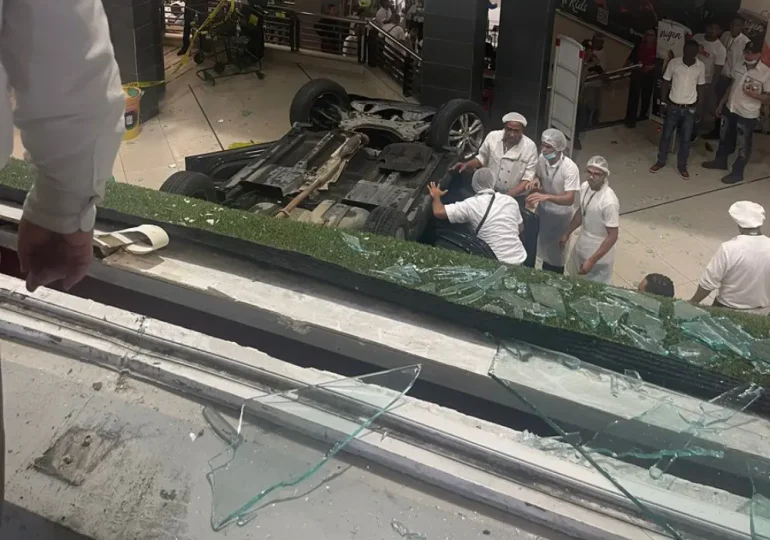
x: 326, y: 112
x: 467, y: 134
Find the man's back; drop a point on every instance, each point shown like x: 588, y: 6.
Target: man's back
x: 744, y: 264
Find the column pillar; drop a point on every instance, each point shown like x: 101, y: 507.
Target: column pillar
x: 136, y: 29
x: 454, y: 34
x: 523, y: 61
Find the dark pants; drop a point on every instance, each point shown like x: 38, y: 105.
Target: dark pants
x: 681, y: 119
x: 642, y: 85
x: 736, y: 133
x: 721, y: 87
x: 555, y: 269
x: 195, y: 13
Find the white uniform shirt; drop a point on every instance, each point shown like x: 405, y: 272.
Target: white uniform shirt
x: 601, y: 209
x: 712, y: 53
x: 59, y: 61
x: 511, y: 167
x: 685, y: 80
x: 740, y: 272
x: 556, y: 179
x: 395, y: 31
x: 738, y: 102
x: 500, y: 230
x: 734, y: 47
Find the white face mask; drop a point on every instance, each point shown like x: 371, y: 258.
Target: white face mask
x: 752, y: 63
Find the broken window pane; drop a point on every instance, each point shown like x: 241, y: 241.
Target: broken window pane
x: 632, y: 298
x: 694, y: 353
x: 401, y: 274
x: 611, y: 313
x: 262, y: 458
x: 354, y: 243
x: 686, y: 311
x: 719, y: 335
x: 650, y: 326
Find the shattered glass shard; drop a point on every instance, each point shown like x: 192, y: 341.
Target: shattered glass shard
x: 472, y: 297
x: 640, y: 300
x: 587, y: 310
x: 718, y: 334
x: 522, y: 289
x: 458, y: 274
x: 685, y: 311
x: 644, y: 342
x: 540, y: 311
x: 760, y: 350
x: 493, y: 280
x: 402, y: 274
x: 694, y: 353
x: 630, y: 380
x: 456, y: 289
x: 634, y: 379
x: 428, y: 288
x: 354, y: 243
x: 512, y: 299
x: 561, y: 284
x: 510, y: 282
x: 549, y: 297
x: 404, y: 531
x: 651, y: 326
x: 267, y: 457
x: 611, y: 313
x: 491, y: 308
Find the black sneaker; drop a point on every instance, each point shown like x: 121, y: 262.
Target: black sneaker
x: 732, y: 178
x: 714, y: 164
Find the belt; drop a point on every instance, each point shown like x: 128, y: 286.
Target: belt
x: 690, y: 106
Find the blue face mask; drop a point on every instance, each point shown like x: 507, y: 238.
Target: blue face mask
x: 550, y: 157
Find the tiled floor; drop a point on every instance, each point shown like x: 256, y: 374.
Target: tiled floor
x: 669, y: 225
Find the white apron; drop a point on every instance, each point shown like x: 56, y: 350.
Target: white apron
x: 554, y: 221
x: 592, y: 234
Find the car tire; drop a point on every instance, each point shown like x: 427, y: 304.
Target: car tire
x: 318, y: 92
x: 191, y: 184
x: 388, y: 221
x: 464, y: 115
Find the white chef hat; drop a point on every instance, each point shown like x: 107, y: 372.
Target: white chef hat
x: 598, y: 162
x: 555, y: 138
x: 747, y: 214
x: 483, y: 178
x: 515, y: 117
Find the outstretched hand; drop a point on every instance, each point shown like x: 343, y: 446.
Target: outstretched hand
x: 435, y: 191
x: 47, y: 257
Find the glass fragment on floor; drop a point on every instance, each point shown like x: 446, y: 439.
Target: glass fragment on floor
x: 404, y: 274
x: 587, y: 310
x: 650, y: 326
x: 694, y: 353
x: 354, y: 243
x: 264, y: 457
x: 643, y: 341
x: 404, y: 531
x: 549, y: 297
x: 491, y: 308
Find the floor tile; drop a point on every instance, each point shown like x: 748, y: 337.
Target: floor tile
x: 149, y: 150
x: 151, y: 178
x: 685, y: 291
x: 632, y: 265
x: 687, y: 255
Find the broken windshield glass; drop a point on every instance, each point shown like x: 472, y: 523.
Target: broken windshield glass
x: 262, y: 458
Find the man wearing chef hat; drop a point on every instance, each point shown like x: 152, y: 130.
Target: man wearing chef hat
x: 739, y: 272
x: 511, y: 155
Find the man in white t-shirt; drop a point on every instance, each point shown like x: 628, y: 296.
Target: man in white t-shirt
x: 494, y: 217
x: 712, y: 52
x: 740, y: 110
x: 739, y: 272
x: 510, y: 154
x: 734, y: 41
x: 682, y: 90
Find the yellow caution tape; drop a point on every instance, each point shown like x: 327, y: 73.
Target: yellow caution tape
x: 143, y: 85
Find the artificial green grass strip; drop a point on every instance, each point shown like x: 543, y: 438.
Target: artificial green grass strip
x: 380, y: 253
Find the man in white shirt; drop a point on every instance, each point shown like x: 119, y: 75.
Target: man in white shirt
x: 495, y: 217
x: 510, y: 154
x: 682, y: 91
x: 394, y: 29
x: 73, y: 139
x: 599, y: 220
x: 383, y: 14
x: 558, y: 179
x: 712, y: 52
x: 734, y: 41
x: 739, y: 272
x: 740, y: 109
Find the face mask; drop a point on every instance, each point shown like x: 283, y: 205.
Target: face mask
x: 550, y: 157
x: 752, y: 63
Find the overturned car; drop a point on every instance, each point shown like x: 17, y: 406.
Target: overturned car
x: 348, y: 162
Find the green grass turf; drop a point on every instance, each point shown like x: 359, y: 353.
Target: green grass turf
x: 328, y: 245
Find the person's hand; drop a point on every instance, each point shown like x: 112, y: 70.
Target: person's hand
x: 460, y: 166
x: 718, y: 112
x: 435, y: 191
x: 587, y: 266
x: 563, y: 241
x: 537, y: 198
x: 532, y: 185
x: 47, y: 257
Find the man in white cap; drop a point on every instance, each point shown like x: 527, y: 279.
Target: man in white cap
x: 511, y: 155
x: 494, y: 217
x: 739, y: 272
x: 558, y: 180
x: 599, y: 219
